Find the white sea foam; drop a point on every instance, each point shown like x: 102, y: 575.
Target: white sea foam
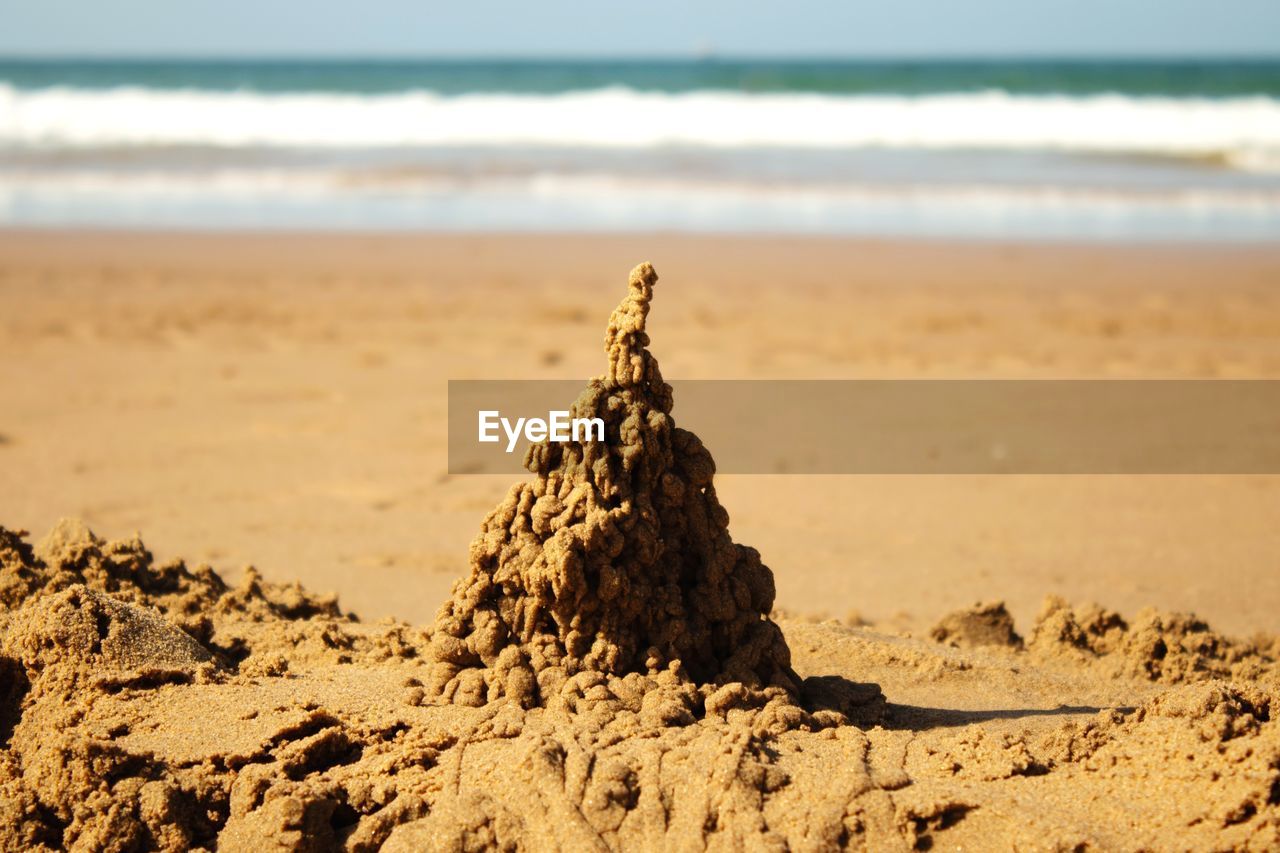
x: 603, y: 202
x: 609, y: 204
x: 256, y: 182
x: 1242, y: 131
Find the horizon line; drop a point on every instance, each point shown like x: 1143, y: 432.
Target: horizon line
x: 709, y: 58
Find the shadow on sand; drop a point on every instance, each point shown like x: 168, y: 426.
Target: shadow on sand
x: 917, y: 719
x: 865, y: 705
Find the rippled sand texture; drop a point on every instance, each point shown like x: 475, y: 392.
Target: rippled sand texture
x: 149, y: 705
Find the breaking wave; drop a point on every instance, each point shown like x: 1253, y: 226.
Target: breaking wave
x: 1242, y: 132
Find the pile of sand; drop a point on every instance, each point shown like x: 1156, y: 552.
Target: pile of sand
x: 607, y: 675
x: 614, y: 571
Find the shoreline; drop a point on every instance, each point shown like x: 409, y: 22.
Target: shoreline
x: 335, y: 245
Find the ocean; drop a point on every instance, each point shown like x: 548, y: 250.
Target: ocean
x: 1119, y: 150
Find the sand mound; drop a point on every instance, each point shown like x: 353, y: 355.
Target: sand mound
x: 981, y: 625
x: 1165, y: 647
x: 614, y: 570
x: 83, y: 630
x: 605, y: 677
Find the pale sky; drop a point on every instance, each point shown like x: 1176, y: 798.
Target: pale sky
x: 797, y: 28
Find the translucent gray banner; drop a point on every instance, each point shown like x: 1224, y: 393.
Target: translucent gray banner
x: 911, y: 426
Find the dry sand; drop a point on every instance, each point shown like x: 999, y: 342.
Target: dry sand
x: 281, y: 399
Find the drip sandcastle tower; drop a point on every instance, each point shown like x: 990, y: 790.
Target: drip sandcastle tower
x: 614, y: 566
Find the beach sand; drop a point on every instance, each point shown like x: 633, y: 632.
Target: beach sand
x: 280, y: 401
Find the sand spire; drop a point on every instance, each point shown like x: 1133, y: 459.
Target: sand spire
x: 615, y: 560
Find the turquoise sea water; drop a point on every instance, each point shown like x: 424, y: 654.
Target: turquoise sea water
x: 1007, y: 149
x: 1204, y: 78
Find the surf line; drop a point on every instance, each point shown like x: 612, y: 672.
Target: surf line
x: 558, y: 427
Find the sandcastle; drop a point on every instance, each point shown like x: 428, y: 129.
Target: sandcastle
x: 615, y: 561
